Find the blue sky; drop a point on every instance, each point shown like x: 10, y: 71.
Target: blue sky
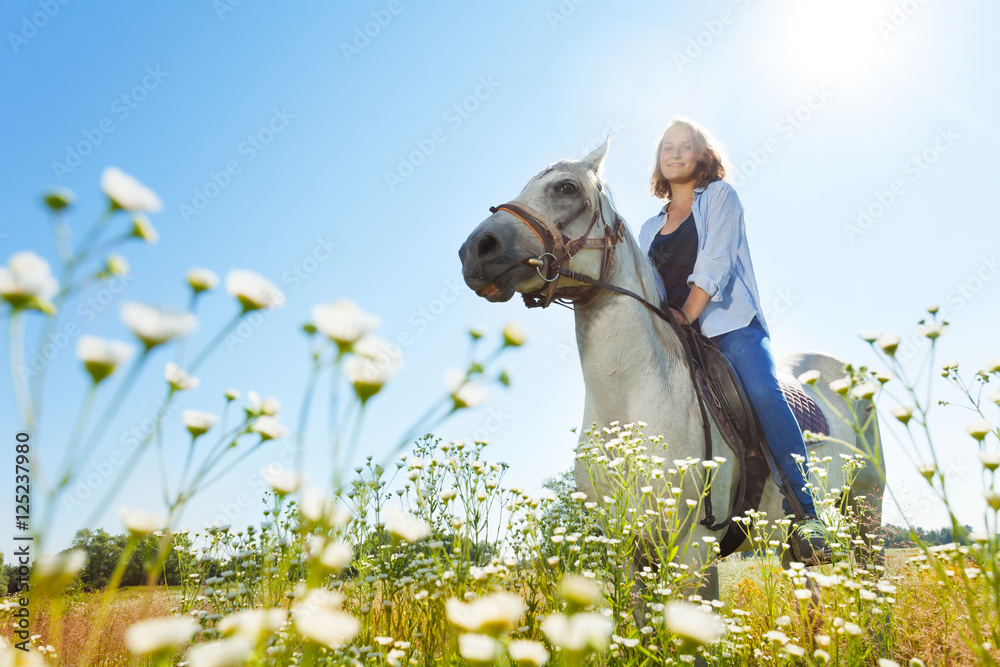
x: 864, y: 134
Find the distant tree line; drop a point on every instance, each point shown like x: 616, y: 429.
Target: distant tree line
x: 104, y: 550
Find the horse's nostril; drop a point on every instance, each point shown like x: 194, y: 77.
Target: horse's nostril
x: 488, y: 245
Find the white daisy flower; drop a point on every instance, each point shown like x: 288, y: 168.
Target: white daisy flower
x: 101, y: 356
x: 888, y: 343
x: 269, y: 428
x: 255, y: 406
x: 157, y: 635
x: 464, y: 394
x: 375, y: 363
x: 202, y: 280
x: 27, y: 282
x: 229, y: 652
x: 282, y: 480
x: 58, y: 570
x: 491, y: 614
x: 198, y: 422
x: 155, y: 326
x: 405, y: 526
x: 253, y: 290
x: 692, y: 623
x: 586, y: 631
x: 527, y: 653
x: 319, y: 619
x: 343, y: 322
x: 336, y: 556
x: 979, y: 430
x: 841, y: 386
x: 579, y: 590
x: 809, y: 377
x: 479, y: 649
x: 317, y: 507
x: 139, y: 522
x: 127, y: 193
x: 253, y: 622
x: 178, y: 378
x: 903, y: 413
x: 990, y: 460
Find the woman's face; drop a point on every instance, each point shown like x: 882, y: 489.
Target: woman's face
x: 678, y: 163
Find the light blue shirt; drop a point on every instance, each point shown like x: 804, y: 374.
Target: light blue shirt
x: 722, y: 267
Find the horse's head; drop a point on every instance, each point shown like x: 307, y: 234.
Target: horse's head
x: 519, y: 248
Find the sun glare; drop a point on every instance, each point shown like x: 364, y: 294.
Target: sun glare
x: 830, y: 41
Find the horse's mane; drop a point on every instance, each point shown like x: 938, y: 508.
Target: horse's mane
x: 650, y: 282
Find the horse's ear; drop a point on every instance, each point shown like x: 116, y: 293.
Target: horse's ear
x: 595, y: 159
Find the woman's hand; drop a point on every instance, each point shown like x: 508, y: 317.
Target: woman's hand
x: 682, y: 318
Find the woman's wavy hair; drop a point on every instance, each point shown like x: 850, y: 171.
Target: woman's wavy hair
x: 709, y: 151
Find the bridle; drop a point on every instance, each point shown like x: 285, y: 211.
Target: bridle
x: 561, y: 248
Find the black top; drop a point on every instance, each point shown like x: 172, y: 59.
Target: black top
x: 673, y: 256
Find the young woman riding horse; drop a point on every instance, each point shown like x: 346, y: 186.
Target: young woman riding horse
x: 699, y: 246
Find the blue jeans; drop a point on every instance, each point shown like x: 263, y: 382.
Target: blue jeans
x: 748, y: 349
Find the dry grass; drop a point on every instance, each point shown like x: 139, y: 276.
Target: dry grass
x: 78, y: 618
x: 922, y: 626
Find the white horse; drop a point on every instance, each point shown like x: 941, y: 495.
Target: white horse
x: 633, y: 363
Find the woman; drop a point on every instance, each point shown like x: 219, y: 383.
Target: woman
x: 699, y: 247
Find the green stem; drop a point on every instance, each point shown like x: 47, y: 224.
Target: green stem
x: 130, y: 464
x: 304, y: 416
x: 64, y: 280
x: 200, y: 358
x: 109, y: 412
x: 78, y: 430
x: 21, y: 394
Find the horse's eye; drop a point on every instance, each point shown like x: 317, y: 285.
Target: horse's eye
x: 567, y: 187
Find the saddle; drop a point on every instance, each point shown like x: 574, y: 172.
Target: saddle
x: 720, y: 389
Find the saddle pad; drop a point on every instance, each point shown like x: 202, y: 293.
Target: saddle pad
x: 807, y: 413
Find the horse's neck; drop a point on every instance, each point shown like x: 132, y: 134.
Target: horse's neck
x: 630, y: 372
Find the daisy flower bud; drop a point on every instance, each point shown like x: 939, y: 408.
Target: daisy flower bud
x: 143, y: 229
x: 59, y: 199
x: 513, y: 335
x: 114, y: 266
